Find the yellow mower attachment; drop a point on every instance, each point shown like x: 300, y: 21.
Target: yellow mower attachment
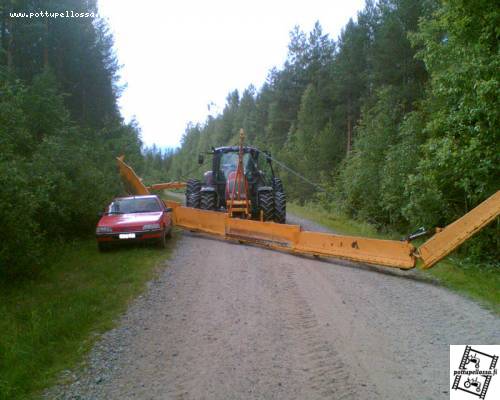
x: 291, y: 238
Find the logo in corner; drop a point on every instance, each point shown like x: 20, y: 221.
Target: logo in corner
x: 473, y: 372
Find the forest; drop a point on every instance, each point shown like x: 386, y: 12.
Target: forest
x: 60, y: 129
x: 398, y: 118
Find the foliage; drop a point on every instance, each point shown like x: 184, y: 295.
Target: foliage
x: 398, y: 117
x: 460, y: 164
x: 59, y: 131
x: 360, y: 178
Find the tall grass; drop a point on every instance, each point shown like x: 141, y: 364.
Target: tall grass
x: 48, y: 323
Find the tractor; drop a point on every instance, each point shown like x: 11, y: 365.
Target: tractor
x: 473, y: 359
x: 473, y: 382
x: 241, y: 182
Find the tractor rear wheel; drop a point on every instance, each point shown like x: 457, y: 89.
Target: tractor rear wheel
x: 280, y: 207
x: 193, y: 187
x: 277, y: 185
x: 208, y: 201
x: 266, y: 205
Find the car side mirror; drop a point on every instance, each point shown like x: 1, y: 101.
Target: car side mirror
x: 168, y: 209
x: 201, y: 159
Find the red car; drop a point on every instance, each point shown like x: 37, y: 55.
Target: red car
x: 134, y: 219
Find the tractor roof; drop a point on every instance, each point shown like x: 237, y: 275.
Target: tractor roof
x: 235, y: 149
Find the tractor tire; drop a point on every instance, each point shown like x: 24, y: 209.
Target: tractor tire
x: 277, y: 185
x: 279, y: 207
x: 194, y: 200
x: 255, y: 211
x: 266, y: 205
x: 193, y: 187
x: 208, y: 201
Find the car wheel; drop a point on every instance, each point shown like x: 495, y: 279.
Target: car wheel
x: 103, y: 247
x: 163, y: 239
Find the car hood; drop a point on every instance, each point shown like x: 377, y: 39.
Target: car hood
x: 130, y: 220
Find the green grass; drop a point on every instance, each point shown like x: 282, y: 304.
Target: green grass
x: 174, y: 195
x: 335, y: 222
x: 48, y: 324
x: 478, y: 282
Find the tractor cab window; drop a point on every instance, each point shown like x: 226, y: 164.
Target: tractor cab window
x: 229, y: 163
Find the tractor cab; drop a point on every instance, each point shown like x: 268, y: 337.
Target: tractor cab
x: 225, y: 165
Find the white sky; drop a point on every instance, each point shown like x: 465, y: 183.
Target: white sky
x: 178, y: 56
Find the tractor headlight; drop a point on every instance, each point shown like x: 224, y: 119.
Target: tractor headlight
x: 104, y: 229
x: 151, y: 227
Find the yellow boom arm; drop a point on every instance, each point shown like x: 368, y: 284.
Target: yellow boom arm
x: 133, y: 184
x: 449, y: 238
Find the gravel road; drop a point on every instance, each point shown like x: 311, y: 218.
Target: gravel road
x: 231, y: 321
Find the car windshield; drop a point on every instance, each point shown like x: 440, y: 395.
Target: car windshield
x: 126, y: 206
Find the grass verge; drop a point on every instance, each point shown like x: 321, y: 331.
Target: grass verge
x: 174, y: 195
x: 480, y: 283
x: 47, y: 324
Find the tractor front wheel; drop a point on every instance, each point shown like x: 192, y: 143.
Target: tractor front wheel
x: 193, y: 187
x: 266, y: 205
x: 208, y: 201
x: 280, y: 207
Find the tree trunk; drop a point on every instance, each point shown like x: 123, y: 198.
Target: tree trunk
x: 349, y: 127
x: 10, y: 44
x: 46, y: 45
x: 7, y: 35
x: 3, y: 30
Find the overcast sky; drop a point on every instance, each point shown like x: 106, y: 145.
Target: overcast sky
x: 179, y: 56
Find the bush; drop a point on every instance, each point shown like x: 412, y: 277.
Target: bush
x: 20, y: 236
x: 54, y: 175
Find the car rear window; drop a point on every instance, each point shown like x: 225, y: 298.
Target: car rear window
x: 126, y: 206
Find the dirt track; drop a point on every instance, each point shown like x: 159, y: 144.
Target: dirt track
x: 230, y: 321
